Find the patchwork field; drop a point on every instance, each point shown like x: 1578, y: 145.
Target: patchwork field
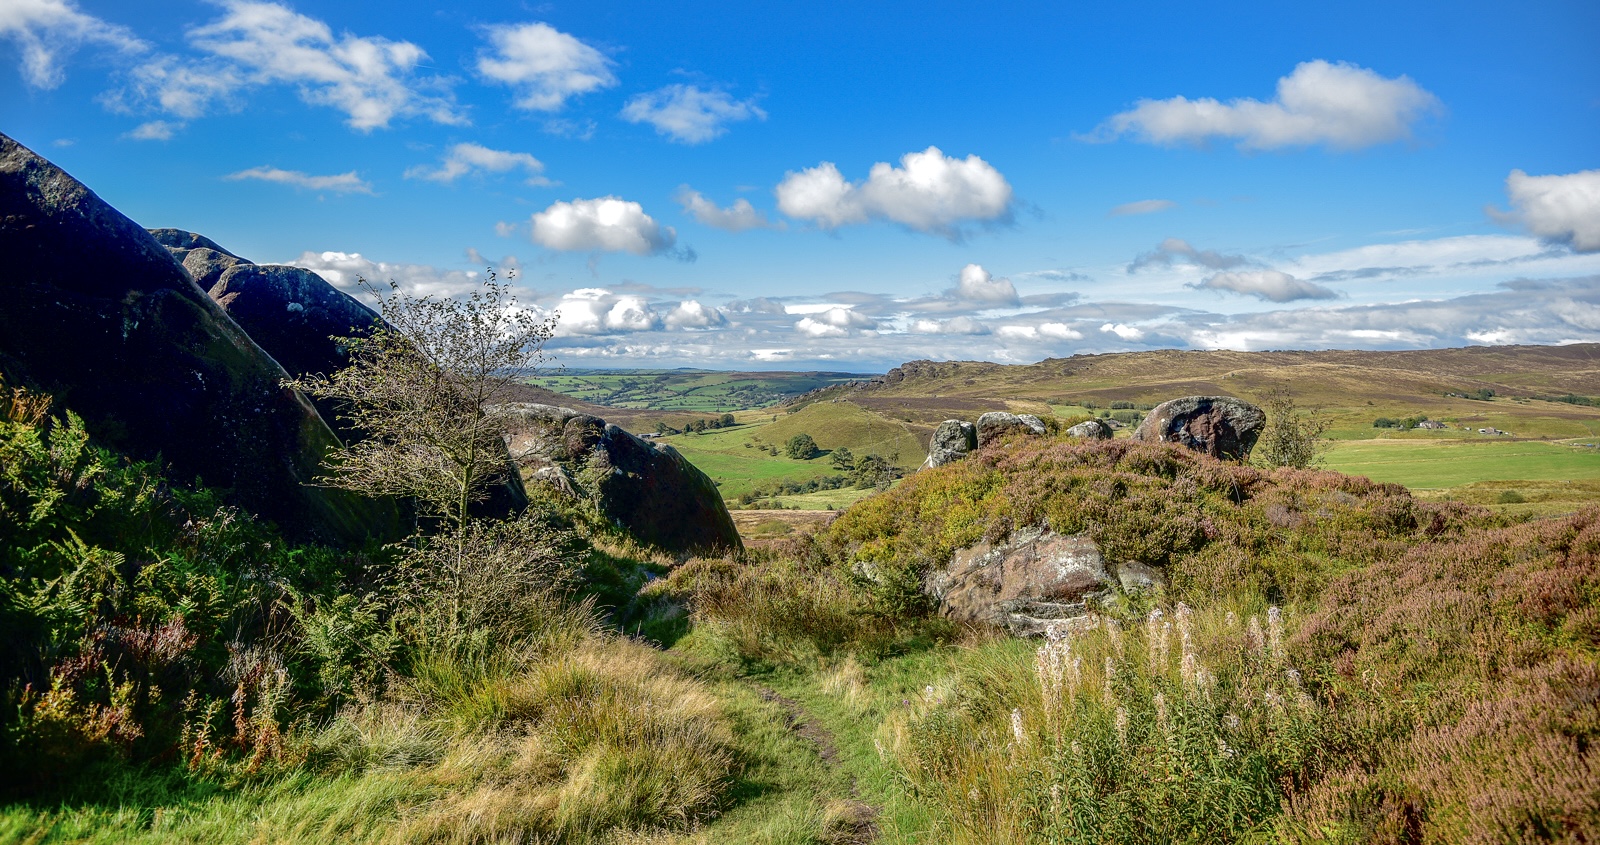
x: 699, y: 391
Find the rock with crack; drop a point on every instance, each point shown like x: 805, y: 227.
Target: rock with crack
x: 997, y: 424
x: 646, y: 488
x: 1219, y: 426
x: 951, y: 442
x: 1035, y: 580
x: 1091, y: 430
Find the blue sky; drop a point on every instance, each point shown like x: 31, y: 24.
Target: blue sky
x: 855, y: 185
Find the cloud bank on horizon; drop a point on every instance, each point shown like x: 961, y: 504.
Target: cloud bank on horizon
x: 1034, y: 203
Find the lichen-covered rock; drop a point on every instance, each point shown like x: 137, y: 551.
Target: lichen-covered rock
x: 997, y: 424
x: 1219, y: 426
x: 1032, y: 581
x: 1091, y: 430
x: 100, y: 315
x: 647, y: 488
x: 951, y: 442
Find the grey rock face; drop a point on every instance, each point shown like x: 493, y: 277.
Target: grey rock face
x: 1033, y: 581
x: 291, y: 312
x: 997, y: 424
x: 1090, y: 430
x: 99, y: 314
x: 1219, y: 426
x: 951, y: 442
x: 647, y: 488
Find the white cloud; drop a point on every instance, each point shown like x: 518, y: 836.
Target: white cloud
x: 1060, y: 331
x: 687, y: 114
x: 183, y: 89
x: 1338, y: 104
x: 835, y: 322
x: 467, y: 158
x: 1019, y: 332
x: 46, y: 31
x: 1270, y: 285
x: 632, y: 314
x: 954, y: 325
x: 344, y: 270
x: 260, y: 43
x: 1123, y: 331
x: 978, y: 285
x: 1142, y: 207
x: 928, y: 192
x: 605, y: 224
x: 597, y: 311
x: 690, y: 314
x: 545, y: 66
x: 1560, y: 209
x: 155, y: 130
x: 340, y: 183
x: 735, y: 218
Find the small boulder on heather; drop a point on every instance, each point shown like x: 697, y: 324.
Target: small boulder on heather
x: 1219, y: 426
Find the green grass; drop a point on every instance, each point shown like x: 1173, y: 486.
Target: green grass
x: 823, y: 499
x: 836, y: 424
x: 722, y: 455
x: 1434, y: 464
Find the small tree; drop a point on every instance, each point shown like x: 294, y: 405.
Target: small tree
x: 801, y: 447
x: 1290, y: 439
x: 842, y: 459
x: 424, y: 387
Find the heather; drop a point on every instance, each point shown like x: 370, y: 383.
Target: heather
x: 1332, y: 660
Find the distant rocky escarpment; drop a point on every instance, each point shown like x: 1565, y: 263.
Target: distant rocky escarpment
x: 646, y: 488
x: 98, y: 313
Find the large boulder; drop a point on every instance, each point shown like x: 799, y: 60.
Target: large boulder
x: 294, y: 315
x: 647, y: 488
x: 951, y: 442
x: 997, y: 424
x: 100, y: 315
x: 1035, y: 580
x: 290, y: 312
x: 1095, y: 429
x: 1219, y: 426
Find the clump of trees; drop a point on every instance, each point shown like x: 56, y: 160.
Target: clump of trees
x: 1404, y: 423
x: 801, y: 447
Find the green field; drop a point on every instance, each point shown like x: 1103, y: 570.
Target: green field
x: 1441, y: 464
x: 699, y: 391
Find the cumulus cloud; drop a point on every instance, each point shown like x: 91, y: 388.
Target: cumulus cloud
x: 463, y: 159
x: 345, y: 270
x: 977, y: 285
x: 758, y: 305
x: 1270, y: 285
x: 1123, y: 331
x: 1142, y: 207
x: 928, y: 192
x: 687, y: 114
x: 1337, y: 104
x: 47, y: 31
x: 690, y: 314
x: 1562, y: 209
x: 738, y: 217
x: 1178, y: 251
x: 369, y: 78
x: 543, y: 65
x: 339, y: 183
x: 835, y: 322
x: 597, y: 311
x: 154, y: 130
x: 605, y: 224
